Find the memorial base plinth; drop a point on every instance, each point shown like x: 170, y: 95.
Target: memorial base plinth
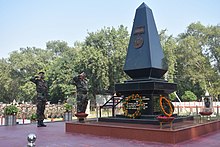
x: 143, y: 132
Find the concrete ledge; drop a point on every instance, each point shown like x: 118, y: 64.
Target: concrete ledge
x: 143, y: 132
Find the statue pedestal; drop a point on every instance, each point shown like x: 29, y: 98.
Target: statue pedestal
x: 81, y: 116
x: 150, y: 90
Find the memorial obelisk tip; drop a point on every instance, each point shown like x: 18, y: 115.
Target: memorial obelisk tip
x: 145, y: 58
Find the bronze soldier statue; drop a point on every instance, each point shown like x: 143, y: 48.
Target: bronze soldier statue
x: 81, y: 85
x: 42, y: 93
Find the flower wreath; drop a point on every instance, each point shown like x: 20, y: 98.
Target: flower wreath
x: 167, y: 102
x: 140, y: 105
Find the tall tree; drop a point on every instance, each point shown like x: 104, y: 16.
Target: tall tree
x: 57, y: 47
x: 213, y: 45
x: 60, y: 73
x: 112, y: 43
x: 194, y: 69
x: 5, y: 82
x: 25, y: 63
x: 95, y: 65
x: 169, y: 46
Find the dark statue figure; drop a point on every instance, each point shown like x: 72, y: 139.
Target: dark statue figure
x: 42, y: 93
x: 81, y: 85
x: 207, y: 102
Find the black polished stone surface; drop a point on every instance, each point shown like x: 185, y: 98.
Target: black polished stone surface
x: 146, y: 87
x: 145, y: 64
x: 145, y: 58
x: 147, y: 119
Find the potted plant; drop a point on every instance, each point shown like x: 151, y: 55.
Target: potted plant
x: 68, y: 111
x: 10, y: 113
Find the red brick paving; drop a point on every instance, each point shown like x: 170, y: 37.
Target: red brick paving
x: 54, y: 135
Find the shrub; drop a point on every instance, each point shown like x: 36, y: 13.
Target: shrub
x: 189, y: 96
x: 33, y: 116
x: 11, y: 110
x: 172, y: 96
x: 68, y: 107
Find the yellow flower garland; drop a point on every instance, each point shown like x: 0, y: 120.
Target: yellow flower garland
x: 169, y: 104
x: 140, y: 105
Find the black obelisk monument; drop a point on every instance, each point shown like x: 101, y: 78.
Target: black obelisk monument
x: 145, y: 63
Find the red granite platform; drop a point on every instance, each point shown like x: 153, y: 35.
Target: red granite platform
x: 183, y: 131
x: 55, y: 135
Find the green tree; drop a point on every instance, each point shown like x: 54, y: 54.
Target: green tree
x: 22, y: 65
x: 57, y: 47
x: 211, y: 41
x: 94, y: 64
x: 212, y: 50
x: 169, y: 46
x: 112, y: 44
x: 61, y: 70
x: 60, y: 73
x: 5, y: 82
x: 195, y: 69
x: 189, y: 96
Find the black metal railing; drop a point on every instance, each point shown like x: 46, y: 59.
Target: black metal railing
x: 111, y: 103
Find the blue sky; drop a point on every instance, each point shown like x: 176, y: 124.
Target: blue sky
x: 31, y: 23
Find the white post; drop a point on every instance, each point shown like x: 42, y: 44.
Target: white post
x: 88, y: 108
x: 97, y: 112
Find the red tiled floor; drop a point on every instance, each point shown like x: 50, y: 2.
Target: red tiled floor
x: 54, y: 135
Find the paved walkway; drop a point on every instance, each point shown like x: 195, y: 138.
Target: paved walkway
x: 54, y: 135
